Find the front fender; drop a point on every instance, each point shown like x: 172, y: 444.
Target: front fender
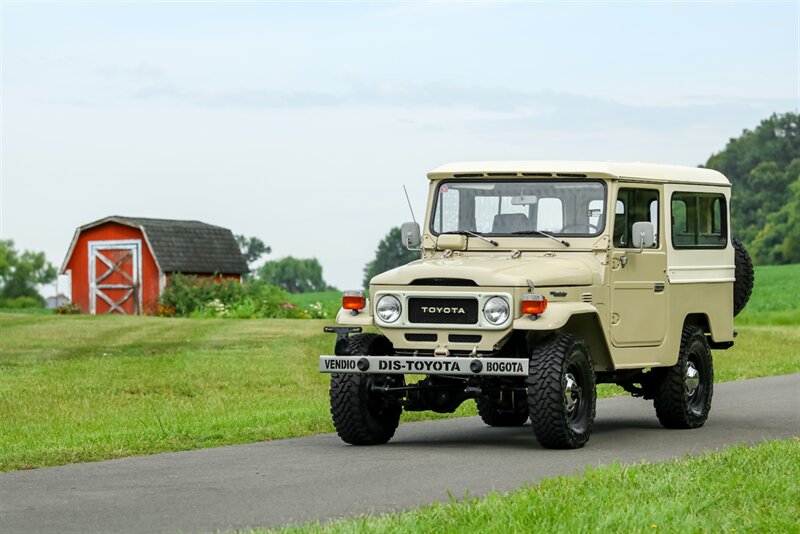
x: 554, y: 317
x: 346, y: 317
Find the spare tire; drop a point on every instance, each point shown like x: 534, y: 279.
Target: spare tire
x: 743, y: 285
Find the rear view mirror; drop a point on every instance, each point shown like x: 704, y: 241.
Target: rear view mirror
x: 643, y: 235
x: 523, y: 200
x: 409, y: 233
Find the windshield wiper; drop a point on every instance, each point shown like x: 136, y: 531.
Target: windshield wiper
x: 539, y: 232
x: 479, y: 236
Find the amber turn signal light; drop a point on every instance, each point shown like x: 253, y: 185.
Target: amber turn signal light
x: 354, y: 300
x: 533, y: 304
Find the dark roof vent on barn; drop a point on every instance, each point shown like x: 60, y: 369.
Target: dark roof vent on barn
x: 184, y: 246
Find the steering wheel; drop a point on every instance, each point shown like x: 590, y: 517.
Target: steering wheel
x: 578, y: 227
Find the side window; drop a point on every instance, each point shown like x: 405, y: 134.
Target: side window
x: 550, y: 215
x: 654, y: 217
x: 634, y: 205
x: 699, y: 220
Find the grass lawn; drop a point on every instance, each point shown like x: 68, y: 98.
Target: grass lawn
x: 774, y: 301
x: 82, y: 388
x: 739, y: 489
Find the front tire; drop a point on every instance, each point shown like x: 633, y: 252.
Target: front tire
x: 561, y: 392
x: 683, y: 392
x: 360, y: 415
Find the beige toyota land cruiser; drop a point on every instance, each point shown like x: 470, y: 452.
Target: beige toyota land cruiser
x: 537, y: 281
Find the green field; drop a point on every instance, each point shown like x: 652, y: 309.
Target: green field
x: 82, y: 388
x: 775, y: 295
x: 739, y: 489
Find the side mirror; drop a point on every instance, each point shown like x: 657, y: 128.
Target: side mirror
x: 643, y: 235
x: 409, y: 233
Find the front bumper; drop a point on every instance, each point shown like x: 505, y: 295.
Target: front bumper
x: 430, y: 365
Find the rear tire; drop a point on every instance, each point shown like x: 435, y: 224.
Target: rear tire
x: 745, y: 276
x: 493, y: 415
x: 561, y: 392
x: 683, y: 392
x: 360, y: 415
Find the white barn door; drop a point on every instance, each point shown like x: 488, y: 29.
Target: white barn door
x: 115, y: 272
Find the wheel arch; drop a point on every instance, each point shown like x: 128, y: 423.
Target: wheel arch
x: 701, y: 320
x: 698, y: 319
x: 588, y: 327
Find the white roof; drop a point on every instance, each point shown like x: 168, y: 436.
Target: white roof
x: 637, y: 171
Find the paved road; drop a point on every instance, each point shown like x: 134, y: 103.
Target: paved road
x: 318, y: 477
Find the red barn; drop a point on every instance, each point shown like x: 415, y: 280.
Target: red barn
x: 121, y: 264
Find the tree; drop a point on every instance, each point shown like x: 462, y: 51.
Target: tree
x: 391, y: 253
x: 294, y: 275
x: 21, y: 273
x: 778, y: 240
x: 762, y: 165
x: 252, y: 248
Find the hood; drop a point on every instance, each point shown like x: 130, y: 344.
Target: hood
x: 493, y: 271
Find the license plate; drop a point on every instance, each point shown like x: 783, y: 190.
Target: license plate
x: 424, y: 365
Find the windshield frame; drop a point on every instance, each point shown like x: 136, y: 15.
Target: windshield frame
x: 534, y: 233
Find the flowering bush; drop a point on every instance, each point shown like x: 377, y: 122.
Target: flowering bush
x: 215, y: 308
x: 315, y: 311
x: 193, y: 296
x: 165, y: 311
x: 68, y: 309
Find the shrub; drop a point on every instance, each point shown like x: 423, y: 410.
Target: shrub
x: 186, y: 294
x: 193, y: 296
x: 68, y: 309
x: 21, y: 302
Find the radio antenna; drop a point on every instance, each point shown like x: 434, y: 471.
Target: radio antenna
x: 409, y: 204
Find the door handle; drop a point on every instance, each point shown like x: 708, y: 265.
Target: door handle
x: 658, y: 287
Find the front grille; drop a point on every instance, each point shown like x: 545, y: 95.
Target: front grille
x: 464, y: 338
x: 421, y: 337
x: 443, y: 310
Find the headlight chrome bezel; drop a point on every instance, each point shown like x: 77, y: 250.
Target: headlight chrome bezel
x: 501, y: 305
x: 397, y: 306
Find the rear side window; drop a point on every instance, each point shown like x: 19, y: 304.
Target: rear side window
x: 699, y: 220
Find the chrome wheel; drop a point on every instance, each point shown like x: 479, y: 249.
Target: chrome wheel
x: 572, y: 394
x: 691, y: 379
x: 683, y: 392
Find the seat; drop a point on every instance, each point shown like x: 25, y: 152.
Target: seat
x: 505, y: 223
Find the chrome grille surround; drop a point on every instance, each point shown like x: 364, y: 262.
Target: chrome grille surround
x: 446, y: 296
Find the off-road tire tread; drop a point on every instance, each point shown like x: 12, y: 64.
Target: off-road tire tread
x: 669, y: 399
x: 492, y: 416
x: 545, y: 395
x: 351, y: 419
x: 745, y: 277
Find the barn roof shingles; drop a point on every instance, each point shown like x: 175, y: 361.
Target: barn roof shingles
x: 188, y: 246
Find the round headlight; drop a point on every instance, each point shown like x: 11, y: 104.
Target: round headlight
x: 388, y: 308
x: 496, y: 310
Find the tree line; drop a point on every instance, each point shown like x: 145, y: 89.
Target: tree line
x: 763, y: 166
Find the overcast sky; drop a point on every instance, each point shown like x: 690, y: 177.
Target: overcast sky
x: 300, y: 122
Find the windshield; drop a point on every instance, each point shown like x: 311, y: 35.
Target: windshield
x: 520, y: 207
